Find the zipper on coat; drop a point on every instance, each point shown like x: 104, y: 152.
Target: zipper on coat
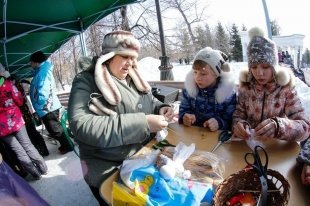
x: 262, y: 115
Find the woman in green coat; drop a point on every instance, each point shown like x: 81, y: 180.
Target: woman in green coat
x: 111, y: 110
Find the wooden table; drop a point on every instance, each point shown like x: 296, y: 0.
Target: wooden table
x: 282, y: 157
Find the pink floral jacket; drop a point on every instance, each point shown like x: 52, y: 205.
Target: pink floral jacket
x: 10, y: 115
x: 256, y: 103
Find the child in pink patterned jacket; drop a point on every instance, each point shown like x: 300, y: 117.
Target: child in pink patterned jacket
x: 267, y: 100
x: 12, y: 127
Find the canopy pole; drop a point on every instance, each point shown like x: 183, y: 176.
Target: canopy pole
x: 82, y: 39
x: 267, y: 19
x: 165, y: 66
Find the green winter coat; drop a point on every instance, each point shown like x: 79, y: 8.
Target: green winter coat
x: 105, y: 141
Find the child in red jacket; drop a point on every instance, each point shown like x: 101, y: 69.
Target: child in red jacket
x: 12, y: 127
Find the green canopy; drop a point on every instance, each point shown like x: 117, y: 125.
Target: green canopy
x: 32, y: 25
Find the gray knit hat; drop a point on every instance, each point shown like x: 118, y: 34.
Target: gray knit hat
x: 261, y: 49
x: 215, y: 58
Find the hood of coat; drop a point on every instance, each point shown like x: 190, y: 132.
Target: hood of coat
x: 103, y: 78
x: 226, y: 86
x: 283, y: 76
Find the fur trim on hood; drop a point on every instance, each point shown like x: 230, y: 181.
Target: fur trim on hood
x: 225, y: 88
x: 283, y: 77
x: 104, y: 80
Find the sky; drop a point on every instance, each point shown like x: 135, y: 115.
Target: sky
x: 292, y: 16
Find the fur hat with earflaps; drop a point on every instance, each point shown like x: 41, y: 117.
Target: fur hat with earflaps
x: 262, y: 50
x: 121, y: 43
x: 215, y: 58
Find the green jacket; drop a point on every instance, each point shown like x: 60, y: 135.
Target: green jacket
x: 105, y: 141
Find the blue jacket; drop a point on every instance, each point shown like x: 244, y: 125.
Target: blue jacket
x: 217, y: 102
x: 42, y: 94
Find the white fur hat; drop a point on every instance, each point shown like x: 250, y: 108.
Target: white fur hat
x: 4, y: 72
x: 121, y: 43
x: 215, y: 58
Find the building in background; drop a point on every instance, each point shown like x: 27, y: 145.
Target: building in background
x: 293, y: 44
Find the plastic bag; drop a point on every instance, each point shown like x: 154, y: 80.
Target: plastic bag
x: 155, y: 190
x: 121, y: 196
x: 129, y: 165
x: 252, y: 142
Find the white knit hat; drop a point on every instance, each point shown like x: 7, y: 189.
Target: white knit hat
x: 215, y: 58
x: 4, y: 72
x: 121, y: 43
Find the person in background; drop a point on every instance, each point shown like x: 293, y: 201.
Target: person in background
x: 209, y: 98
x: 13, y: 132
x: 14, y: 190
x: 36, y: 138
x: 267, y: 101
x: 304, y: 159
x: 111, y: 109
x: 44, y: 99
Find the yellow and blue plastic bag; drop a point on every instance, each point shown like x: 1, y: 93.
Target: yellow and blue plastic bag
x: 151, y: 189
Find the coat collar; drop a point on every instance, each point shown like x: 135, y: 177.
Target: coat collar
x: 224, y: 87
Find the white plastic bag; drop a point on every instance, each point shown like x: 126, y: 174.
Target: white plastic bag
x: 252, y: 142
x: 130, y: 165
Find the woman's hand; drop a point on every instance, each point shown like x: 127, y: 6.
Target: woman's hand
x: 167, y: 112
x: 266, y: 129
x: 212, y: 124
x: 189, y: 119
x: 156, y: 122
x: 305, y: 174
x: 242, y: 131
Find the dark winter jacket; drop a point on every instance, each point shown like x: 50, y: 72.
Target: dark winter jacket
x: 105, y: 141
x: 217, y: 102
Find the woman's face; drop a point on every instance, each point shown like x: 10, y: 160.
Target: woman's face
x: 119, y: 66
x: 204, y: 77
x: 262, y: 73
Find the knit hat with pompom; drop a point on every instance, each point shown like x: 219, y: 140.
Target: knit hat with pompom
x: 261, y: 50
x: 215, y: 58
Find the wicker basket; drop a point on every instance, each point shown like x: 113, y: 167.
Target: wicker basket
x: 247, y: 179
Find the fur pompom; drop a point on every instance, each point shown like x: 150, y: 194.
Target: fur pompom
x: 285, y: 77
x: 84, y: 63
x: 225, y: 67
x: 256, y: 31
x: 243, y: 76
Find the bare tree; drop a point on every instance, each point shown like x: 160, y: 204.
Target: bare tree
x: 72, y: 42
x: 189, y: 12
x: 58, y: 68
x: 124, y: 24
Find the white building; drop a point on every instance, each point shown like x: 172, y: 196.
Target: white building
x: 292, y: 43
